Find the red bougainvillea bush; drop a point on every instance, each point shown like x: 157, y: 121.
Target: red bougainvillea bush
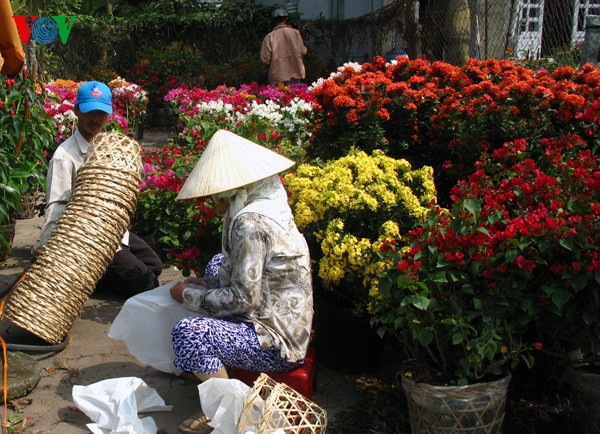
x: 512, y: 266
x: 445, y: 116
x: 185, y: 233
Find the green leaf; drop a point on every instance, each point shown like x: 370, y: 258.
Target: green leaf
x: 483, y: 231
x: 425, y: 336
x: 180, y: 172
x: 439, y: 277
x: 418, y: 301
x: 457, y: 338
x: 14, y: 419
x: 473, y: 206
x: 560, y: 297
x: 579, y: 282
x: 588, y: 318
x: 567, y: 243
x: 511, y: 255
x: 526, y: 304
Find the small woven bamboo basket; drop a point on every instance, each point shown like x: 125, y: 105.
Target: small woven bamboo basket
x: 277, y: 405
x: 84, y: 242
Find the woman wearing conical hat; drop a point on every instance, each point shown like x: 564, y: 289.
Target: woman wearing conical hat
x: 256, y: 314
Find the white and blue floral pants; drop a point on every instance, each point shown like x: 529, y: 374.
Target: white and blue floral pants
x: 206, y: 345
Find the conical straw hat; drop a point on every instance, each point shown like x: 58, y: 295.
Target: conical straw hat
x: 230, y: 161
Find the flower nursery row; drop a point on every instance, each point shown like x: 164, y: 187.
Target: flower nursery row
x: 445, y: 116
x: 457, y: 207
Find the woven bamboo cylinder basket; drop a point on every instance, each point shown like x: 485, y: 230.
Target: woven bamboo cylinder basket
x: 474, y: 409
x: 84, y: 242
x: 586, y: 391
x: 277, y: 405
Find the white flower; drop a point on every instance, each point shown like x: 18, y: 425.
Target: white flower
x: 317, y: 83
x: 354, y: 65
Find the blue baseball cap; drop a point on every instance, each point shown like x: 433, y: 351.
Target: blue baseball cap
x: 93, y: 95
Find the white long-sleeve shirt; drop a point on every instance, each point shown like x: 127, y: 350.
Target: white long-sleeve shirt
x: 60, y: 181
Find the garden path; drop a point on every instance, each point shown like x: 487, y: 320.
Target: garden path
x: 91, y: 356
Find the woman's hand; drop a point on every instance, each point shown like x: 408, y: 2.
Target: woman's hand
x: 177, y: 291
x: 195, y: 281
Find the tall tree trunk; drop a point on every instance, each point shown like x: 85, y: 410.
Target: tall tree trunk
x: 457, y: 32
x: 475, y: 37
x: 412, y: 33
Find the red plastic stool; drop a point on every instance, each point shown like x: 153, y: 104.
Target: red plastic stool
x: 300, y: 379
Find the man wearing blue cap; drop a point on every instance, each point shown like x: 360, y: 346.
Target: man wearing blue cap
x: 135, y: 267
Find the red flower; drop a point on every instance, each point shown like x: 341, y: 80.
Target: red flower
x: 403, y: 266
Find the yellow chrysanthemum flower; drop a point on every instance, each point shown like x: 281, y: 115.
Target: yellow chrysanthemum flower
x: 350, y: 207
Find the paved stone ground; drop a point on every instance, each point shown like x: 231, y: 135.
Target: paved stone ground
x: 91, y: 356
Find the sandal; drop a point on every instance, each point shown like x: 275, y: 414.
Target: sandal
x: 197, y: 424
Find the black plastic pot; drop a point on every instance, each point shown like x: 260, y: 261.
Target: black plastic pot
x: 343, y: 341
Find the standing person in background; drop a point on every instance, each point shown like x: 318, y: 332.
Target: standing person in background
x: 12, y: 56
x: 282, y: 50
x: 135, y: 267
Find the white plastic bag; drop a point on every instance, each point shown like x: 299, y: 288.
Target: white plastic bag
x: 145, y: 323
x: 114, y: 405
x: 222, y: 401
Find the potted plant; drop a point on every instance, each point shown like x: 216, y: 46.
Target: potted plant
x: 511, y: 267
x: 442, y: 115
x: 10, y: 200
x: 12, y: 181
x: 346, y: 208
x: 276, y: 117
x: 26, y: 134
x: 131, y: 101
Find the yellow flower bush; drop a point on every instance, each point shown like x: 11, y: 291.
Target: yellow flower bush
x: 350, y: 209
